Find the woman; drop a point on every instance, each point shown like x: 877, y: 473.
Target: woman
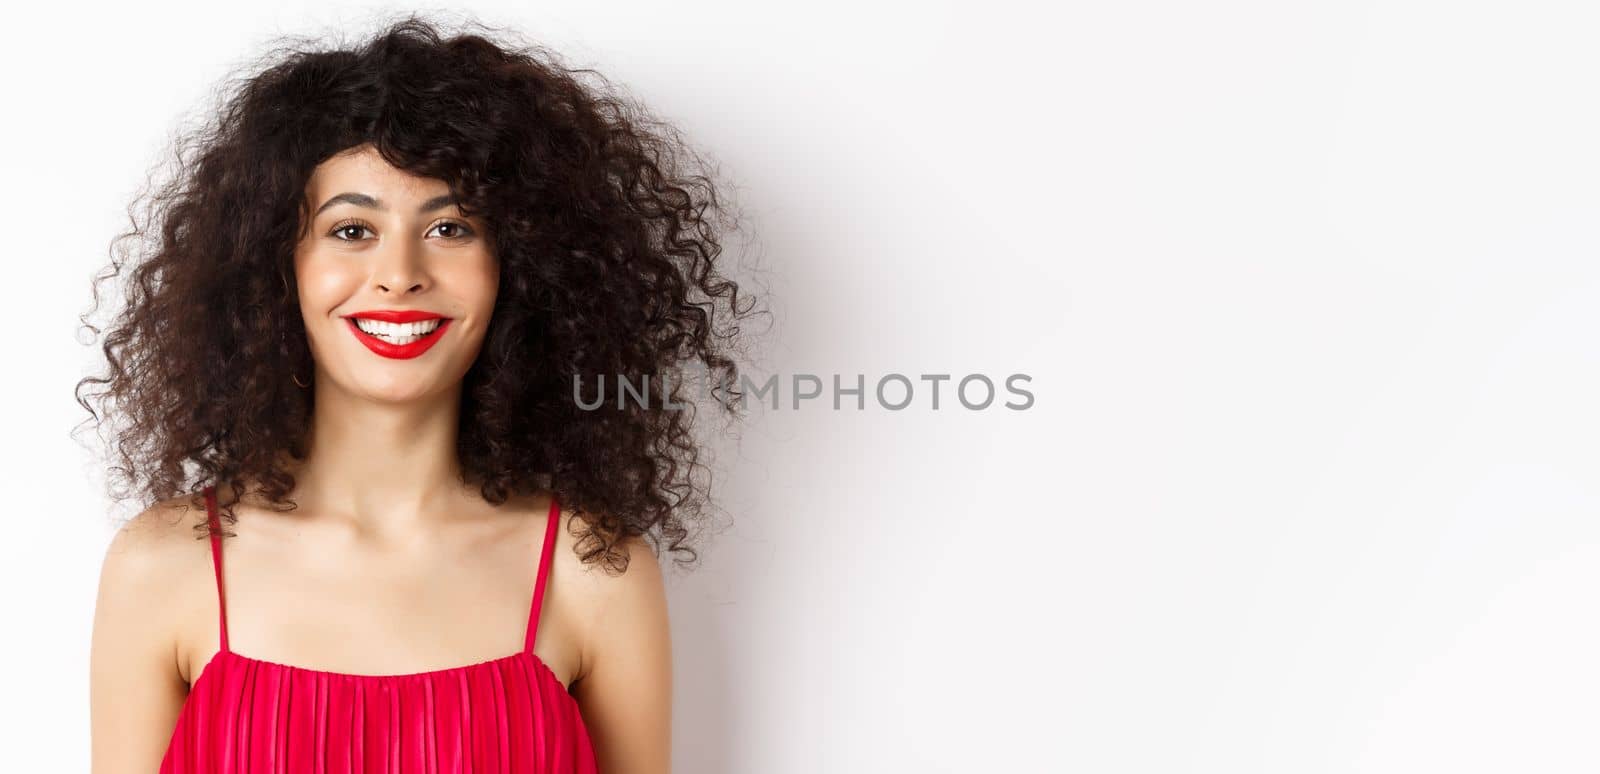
x: 356, y: 340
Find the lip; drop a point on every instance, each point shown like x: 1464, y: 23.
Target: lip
x: 397, y: 351
x: 396, y: 315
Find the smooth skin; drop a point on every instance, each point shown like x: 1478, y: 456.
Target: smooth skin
x: 389, y: 565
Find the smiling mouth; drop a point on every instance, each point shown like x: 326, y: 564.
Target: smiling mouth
x: 398, y: 340
x: 398, y: 333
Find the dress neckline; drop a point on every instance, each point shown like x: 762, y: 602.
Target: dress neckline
x: 538, y: 664
x: 224, y: 651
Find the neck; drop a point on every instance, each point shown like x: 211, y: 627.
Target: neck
x: 382, y: 464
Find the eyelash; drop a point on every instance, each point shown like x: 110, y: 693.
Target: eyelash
x: 347, y: 224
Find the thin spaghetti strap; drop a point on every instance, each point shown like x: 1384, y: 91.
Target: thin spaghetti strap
x: 544, y: 570
x: 216, y: 564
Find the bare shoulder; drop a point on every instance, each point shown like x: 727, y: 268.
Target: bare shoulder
x: 606, y: 583
x: 624, y: 685
x: 148, y: 563
x: 152, y: 550
x: 136, y: 680
x: 157, y: 526
x: 614, y: 601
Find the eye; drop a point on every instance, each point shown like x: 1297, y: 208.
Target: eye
x: 344, y: 229
x: 347, y: 226
x: 462, y: 230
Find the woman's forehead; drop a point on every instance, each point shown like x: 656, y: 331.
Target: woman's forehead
x: 364, y: 171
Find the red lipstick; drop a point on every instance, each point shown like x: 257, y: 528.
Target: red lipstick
x: 390, y: 349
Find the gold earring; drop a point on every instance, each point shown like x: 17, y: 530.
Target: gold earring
x: 296, y: 378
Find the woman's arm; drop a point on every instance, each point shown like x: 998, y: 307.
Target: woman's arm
x: 625, y: 691
x: 135, y: 688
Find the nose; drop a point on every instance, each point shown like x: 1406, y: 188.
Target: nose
x: 400, y: 268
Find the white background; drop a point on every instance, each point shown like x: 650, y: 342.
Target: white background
x: 1307, y: 292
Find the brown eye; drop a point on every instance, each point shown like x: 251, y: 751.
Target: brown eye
x: 462, y: 231
x: 346, y: 229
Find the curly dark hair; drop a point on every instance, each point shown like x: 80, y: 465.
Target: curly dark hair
x: 607, y: 229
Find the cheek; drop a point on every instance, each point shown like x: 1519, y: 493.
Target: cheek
x: 490, y: 288
x: 323, y: 286
x: 476, y: 285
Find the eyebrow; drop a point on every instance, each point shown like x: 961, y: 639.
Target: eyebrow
x: 363, y: 200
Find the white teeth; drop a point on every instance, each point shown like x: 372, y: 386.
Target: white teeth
x: 398, y: 333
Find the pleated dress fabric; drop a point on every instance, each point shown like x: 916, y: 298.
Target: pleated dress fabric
x: 509, y: 715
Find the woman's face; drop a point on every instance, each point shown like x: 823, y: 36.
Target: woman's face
x: 385, y: 244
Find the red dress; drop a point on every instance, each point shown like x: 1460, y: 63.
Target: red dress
x: 509, y: 715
